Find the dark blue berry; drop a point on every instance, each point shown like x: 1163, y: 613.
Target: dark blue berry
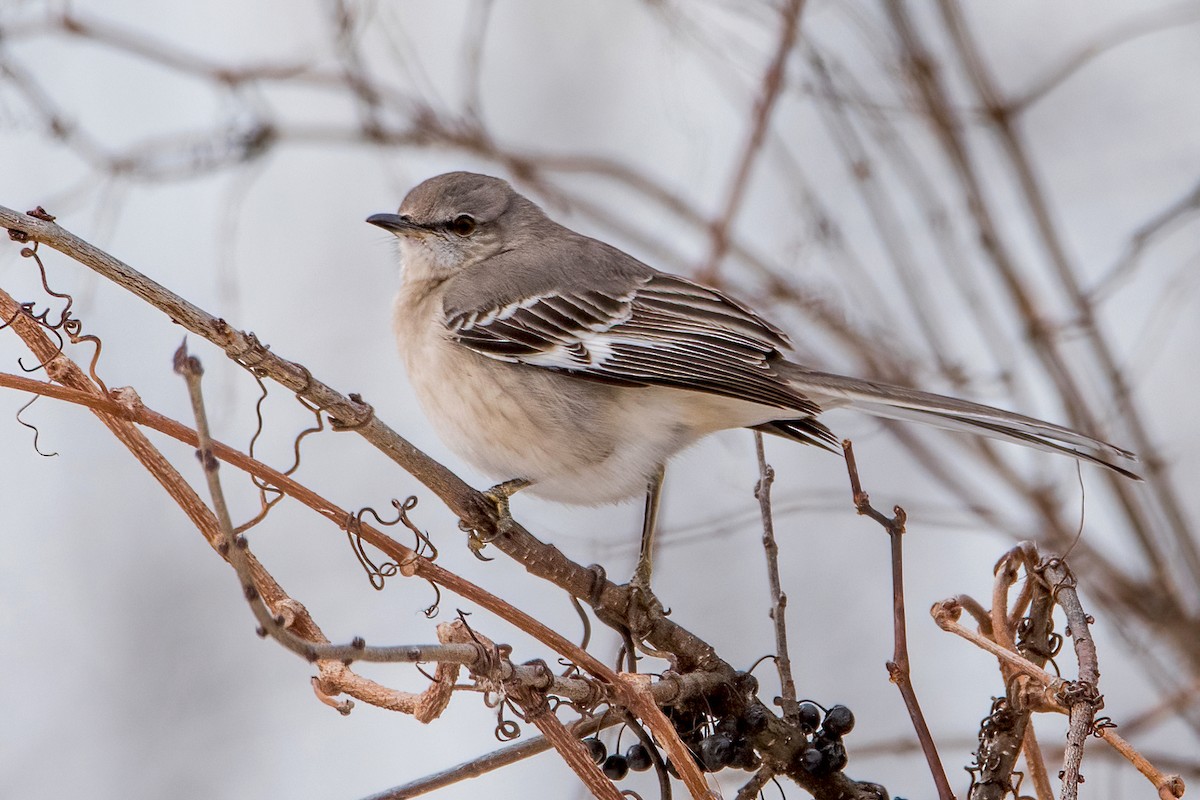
x: 716, y: 751
x: 596, y: 749
x: 809, y: 717
x: 839, y: 721
x: 616, y: 767
x: 744, y: 756
x: 813, y: 761
x: 639, y: 758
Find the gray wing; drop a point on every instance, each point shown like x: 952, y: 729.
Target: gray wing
x: 653, y: 330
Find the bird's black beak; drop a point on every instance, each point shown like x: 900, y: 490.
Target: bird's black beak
x: 394, y: 223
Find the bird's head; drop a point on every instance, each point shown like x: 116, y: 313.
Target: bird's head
x: 452, y: 221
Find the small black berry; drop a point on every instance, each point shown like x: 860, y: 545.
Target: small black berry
x: 839, y: 721
x: 813, y: 761
x: 716, y: 751
x: 596, y: 749
x: 832, y: 755
x: 615, y: 767
x: 835, y: 752
x: 639, y: 758
x: 757, y: 718
x: 809, y: 717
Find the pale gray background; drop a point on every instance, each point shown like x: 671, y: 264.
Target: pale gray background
x: 131, y: 668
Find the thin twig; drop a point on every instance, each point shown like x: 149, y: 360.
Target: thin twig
x: 754, y: 786
x: 898, y: 667
x: 1167, y: 786
x: 1083, y: 696
x: 783, y: 661
x: 484, y: 764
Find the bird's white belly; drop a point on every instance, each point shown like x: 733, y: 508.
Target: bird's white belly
x: 578, y: 441
x: 523, y: 422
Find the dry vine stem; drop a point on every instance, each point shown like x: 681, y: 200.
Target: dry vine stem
x: 1030, y: 688
x: 306, y: 639
x: 778, y: 742
x: 783, y: 659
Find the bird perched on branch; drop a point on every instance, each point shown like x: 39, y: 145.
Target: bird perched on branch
x: 572, y: 369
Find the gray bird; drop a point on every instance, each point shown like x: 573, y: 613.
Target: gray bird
x: 564, y: 365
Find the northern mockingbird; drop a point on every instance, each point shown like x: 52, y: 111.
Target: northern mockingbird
x: 560, y: 363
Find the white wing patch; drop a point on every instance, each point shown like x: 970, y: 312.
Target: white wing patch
x: 592, y: 349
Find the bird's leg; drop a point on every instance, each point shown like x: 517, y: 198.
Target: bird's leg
x: 497, y: 497
x: 641, y: 575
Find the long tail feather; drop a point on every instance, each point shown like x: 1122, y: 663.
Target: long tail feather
x: 897, y: 402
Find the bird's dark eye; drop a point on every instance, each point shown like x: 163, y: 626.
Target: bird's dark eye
x: 463, y: 224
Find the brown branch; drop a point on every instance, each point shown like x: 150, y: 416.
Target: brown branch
x: 783, y: 661
x: 1167, y: 786
x: 484, y: 764
x: 898, y: 668
x: 1082, y: 697
x: 573, y: 752
x: 1035, y: 762
x: 753, y: 787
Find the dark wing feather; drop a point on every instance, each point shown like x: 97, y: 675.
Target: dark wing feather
x: 658, y: 330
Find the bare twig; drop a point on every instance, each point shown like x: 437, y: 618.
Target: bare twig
x: 898, y: 667
x: 783, y: 661
x: 750, y: 791
x: 1167, y: 786
x: 1083, y: 696
x: 482, y: 765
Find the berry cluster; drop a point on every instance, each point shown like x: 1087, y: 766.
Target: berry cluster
x: 719, y: 731
x: 826, y: 753
x: 716, y: 742
x: 617, y: 766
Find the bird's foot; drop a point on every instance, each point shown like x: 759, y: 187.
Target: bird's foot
x: 492, y: 517
x: 643, y: 612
